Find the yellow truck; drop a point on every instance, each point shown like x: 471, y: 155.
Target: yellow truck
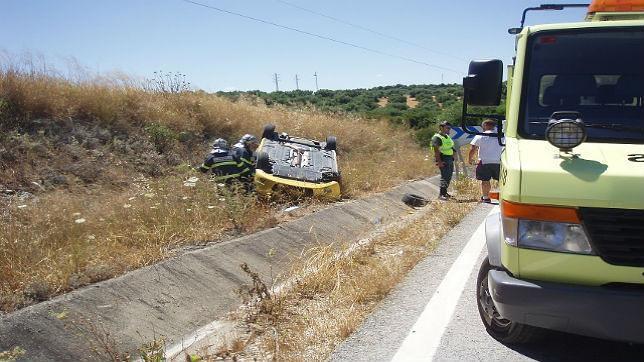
x: 566, y: 251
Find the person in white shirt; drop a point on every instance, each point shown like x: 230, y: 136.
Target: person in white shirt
x: 489, y: 158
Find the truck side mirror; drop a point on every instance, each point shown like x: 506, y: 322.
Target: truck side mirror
x: 483, y: 84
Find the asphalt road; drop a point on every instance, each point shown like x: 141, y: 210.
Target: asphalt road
x: 406, y: 328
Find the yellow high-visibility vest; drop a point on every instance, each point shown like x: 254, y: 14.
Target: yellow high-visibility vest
x: 447, y: 145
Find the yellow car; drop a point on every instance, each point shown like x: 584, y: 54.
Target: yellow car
x: 293, y: 164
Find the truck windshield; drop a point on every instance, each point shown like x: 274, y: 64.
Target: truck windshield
x: 598, y: 73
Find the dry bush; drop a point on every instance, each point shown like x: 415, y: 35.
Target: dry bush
x: 82, y: 144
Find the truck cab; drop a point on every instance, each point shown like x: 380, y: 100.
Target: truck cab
x: 566, y: 251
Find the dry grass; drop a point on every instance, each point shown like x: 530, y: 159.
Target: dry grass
x: 61, y: 241
x: 172, y: 123
x: 12, y: 355
x: 110, y: 152
x: 335, y: 290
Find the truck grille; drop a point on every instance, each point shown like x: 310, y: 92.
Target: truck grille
x: 617, y: 235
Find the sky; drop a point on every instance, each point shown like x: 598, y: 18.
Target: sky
x: 219, y: 51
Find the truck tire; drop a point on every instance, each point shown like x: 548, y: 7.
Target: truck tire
x: 269, y: 132
x: 501, y: 329
x: 331, y: 143
x: 263, y: 162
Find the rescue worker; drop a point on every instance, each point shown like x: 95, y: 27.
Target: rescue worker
x: 221, y: 162
x: 243, y: 151
x: 443, y: 147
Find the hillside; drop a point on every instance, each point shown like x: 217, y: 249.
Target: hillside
x: 419, y: 107
x: 93, y: 171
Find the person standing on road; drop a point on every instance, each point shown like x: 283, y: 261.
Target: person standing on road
x: 489, y: 158
x: 443, y: 147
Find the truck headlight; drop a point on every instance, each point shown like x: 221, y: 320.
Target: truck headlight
x: 565, y: 134
x: 553, y: 236
x: 544, y: 228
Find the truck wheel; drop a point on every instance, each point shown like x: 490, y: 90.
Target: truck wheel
x: 263, y: 162
x: 503, y: 330
x: 331, y: 143
x: 269, y: 132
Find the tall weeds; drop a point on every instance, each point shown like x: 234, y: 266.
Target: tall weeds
x: 114, y: 154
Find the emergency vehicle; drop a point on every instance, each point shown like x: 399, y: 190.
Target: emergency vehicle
x: 566, y: 251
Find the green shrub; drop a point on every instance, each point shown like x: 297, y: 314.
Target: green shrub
x: 161, y: 136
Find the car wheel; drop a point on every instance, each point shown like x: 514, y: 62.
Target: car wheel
x: 503, y: 330
x: 331, y: 143
x: 414, y: 200
x: 264, y: 162
x: 269, y: 132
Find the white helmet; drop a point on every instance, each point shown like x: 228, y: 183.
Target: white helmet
x: 220, y: 143
x: 248, y: 139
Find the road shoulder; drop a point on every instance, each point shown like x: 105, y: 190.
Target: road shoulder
x: 380, y: 336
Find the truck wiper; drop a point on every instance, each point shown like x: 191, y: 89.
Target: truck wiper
x: 616, y: 127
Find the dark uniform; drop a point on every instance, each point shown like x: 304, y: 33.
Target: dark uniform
x: 245, y: 161
x: 223, y: 165
x: 445, y: 145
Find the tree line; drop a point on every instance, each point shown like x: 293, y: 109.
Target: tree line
x: 418, y: 106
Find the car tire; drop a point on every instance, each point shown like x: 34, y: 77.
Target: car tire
x: 264, y: 162
x: 501, y: 329
x: 331, y: 143
x: 269, y: 132
x: 414, y: 200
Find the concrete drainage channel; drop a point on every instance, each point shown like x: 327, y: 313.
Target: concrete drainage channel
x: 180, y: 298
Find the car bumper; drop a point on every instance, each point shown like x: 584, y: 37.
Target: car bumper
x: 591, y: 311
x: 265, y: 184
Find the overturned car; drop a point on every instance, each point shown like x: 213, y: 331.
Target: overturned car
x: 293, y: 164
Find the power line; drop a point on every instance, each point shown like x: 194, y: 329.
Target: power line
x: 322, y: 36
x: 391, y: 37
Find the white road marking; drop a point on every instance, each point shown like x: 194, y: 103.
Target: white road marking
x: 424, y: 338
